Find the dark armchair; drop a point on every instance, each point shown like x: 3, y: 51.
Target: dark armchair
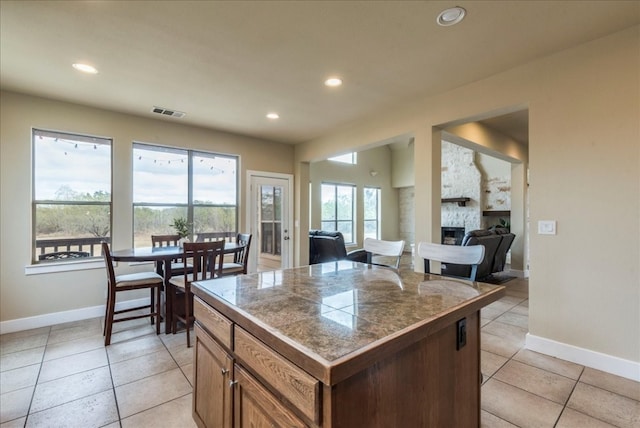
x: 496, y: 241
x: 328, y: 246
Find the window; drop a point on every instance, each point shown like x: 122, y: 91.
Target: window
x: 337, y: 209
x: 71, y: 195
x: 270, y: 219
x: 170, y: 183
x: 372, y: 212
x: 350, y: 158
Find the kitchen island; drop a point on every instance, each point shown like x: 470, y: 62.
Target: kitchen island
x: 338, y: 344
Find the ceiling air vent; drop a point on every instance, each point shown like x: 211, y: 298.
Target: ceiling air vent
x: 168, y: 112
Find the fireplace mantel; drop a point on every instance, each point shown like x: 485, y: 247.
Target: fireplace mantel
x: 461, y: 201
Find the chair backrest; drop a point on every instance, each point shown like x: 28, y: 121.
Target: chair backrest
x: 242, y: 256
x: 379, y: 247
x: 108, y: 261
x: 320, y: 250
x: 327, y: 249
x: 206, y: 258
x: 463, y: 255
x: 164, y: 240
x: 215, y: 236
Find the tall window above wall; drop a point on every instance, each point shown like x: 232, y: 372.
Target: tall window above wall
x: 372, y: 212
x: 71, y: 195
x: 169, y: 183
x: 338, y: 209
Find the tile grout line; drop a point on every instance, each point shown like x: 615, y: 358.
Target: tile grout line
x: 564, y: 407
x: 113, y: 388
x: 35, y: 386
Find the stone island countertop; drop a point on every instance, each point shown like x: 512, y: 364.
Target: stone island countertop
x: 329, y: 318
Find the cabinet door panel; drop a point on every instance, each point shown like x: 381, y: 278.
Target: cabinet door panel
x: 212, y: 405
x: 256, y: 407
x: 293, y: 383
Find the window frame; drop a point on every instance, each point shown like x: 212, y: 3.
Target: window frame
x: 190, y: 205
x: 337, y: 220
x: 45, y: 266
x: 378, y: 210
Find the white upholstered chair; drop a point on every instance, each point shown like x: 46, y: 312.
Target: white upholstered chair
x: 462, y: 255
x: 378, y: 247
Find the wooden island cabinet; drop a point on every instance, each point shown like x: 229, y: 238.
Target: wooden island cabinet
x: 339, y: 344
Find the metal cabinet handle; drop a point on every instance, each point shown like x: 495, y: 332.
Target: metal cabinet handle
x: 232, y: 382
x: 224, y: 371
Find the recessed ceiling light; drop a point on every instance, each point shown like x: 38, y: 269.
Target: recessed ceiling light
x: 333, y: 81
x: 451, y: 16
x: 85, y: 68
x: 273, y: 116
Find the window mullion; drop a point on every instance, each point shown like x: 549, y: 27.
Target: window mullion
x: 190, y: 216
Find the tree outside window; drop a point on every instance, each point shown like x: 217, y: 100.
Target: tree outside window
x: 71, y: 194
x: 372, y: 212
x: 338, y: 209
x: 169, y: 183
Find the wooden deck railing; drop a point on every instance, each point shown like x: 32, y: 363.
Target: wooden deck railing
x: 72, y: 247
x: 58, y: 249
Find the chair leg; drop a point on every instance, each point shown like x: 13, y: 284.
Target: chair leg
x: 152, y: 305
x: 174, y: 315
x: 106, y: 314
x: 158, y: 309
x: 108, y: 322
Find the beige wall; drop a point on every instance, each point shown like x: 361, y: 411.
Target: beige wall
x: 376, y: 159
x: 584, y: 164
x: 25, y: 296
x: 402, y: 166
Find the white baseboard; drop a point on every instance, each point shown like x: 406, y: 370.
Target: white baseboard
x: 46, y: 320
x: 585, y: 357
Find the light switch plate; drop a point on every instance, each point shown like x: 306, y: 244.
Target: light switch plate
x: 546, y: 227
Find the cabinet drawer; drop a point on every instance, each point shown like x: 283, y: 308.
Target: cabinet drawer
x: 214, y: 322
x: 298, y: 387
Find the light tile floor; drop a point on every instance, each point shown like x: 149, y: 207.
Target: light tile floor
x: 63, y: 376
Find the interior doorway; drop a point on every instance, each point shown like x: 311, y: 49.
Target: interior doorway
x: 270, y: 214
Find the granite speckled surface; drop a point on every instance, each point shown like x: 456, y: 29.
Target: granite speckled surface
x: 333, y: 309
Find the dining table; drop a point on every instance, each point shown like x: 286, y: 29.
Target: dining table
x: 162, y: 257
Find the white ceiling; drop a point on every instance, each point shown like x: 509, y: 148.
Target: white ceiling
x: 226, y: 64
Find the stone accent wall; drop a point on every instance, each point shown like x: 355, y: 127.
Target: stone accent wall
x: 497, y: 194
x: 406, y: 199
x: 460, y: 179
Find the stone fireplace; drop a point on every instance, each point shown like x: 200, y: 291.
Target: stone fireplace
x: 460, y: 179
x: 485, y: 180
x: 452, y: 235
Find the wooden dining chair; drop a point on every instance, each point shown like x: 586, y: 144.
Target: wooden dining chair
x: 128, y: 282
x: 177, y: 265
x: 207, y: 260
x: 462, y: 255
x: 240, y: 258
x: 215, y: 236
x: 378, y: 247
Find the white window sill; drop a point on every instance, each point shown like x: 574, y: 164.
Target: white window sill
x: 72, y: 266
x: 63, y: 266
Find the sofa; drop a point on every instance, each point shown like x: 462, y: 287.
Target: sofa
x: 328, y: 246
x: 496, y: 241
